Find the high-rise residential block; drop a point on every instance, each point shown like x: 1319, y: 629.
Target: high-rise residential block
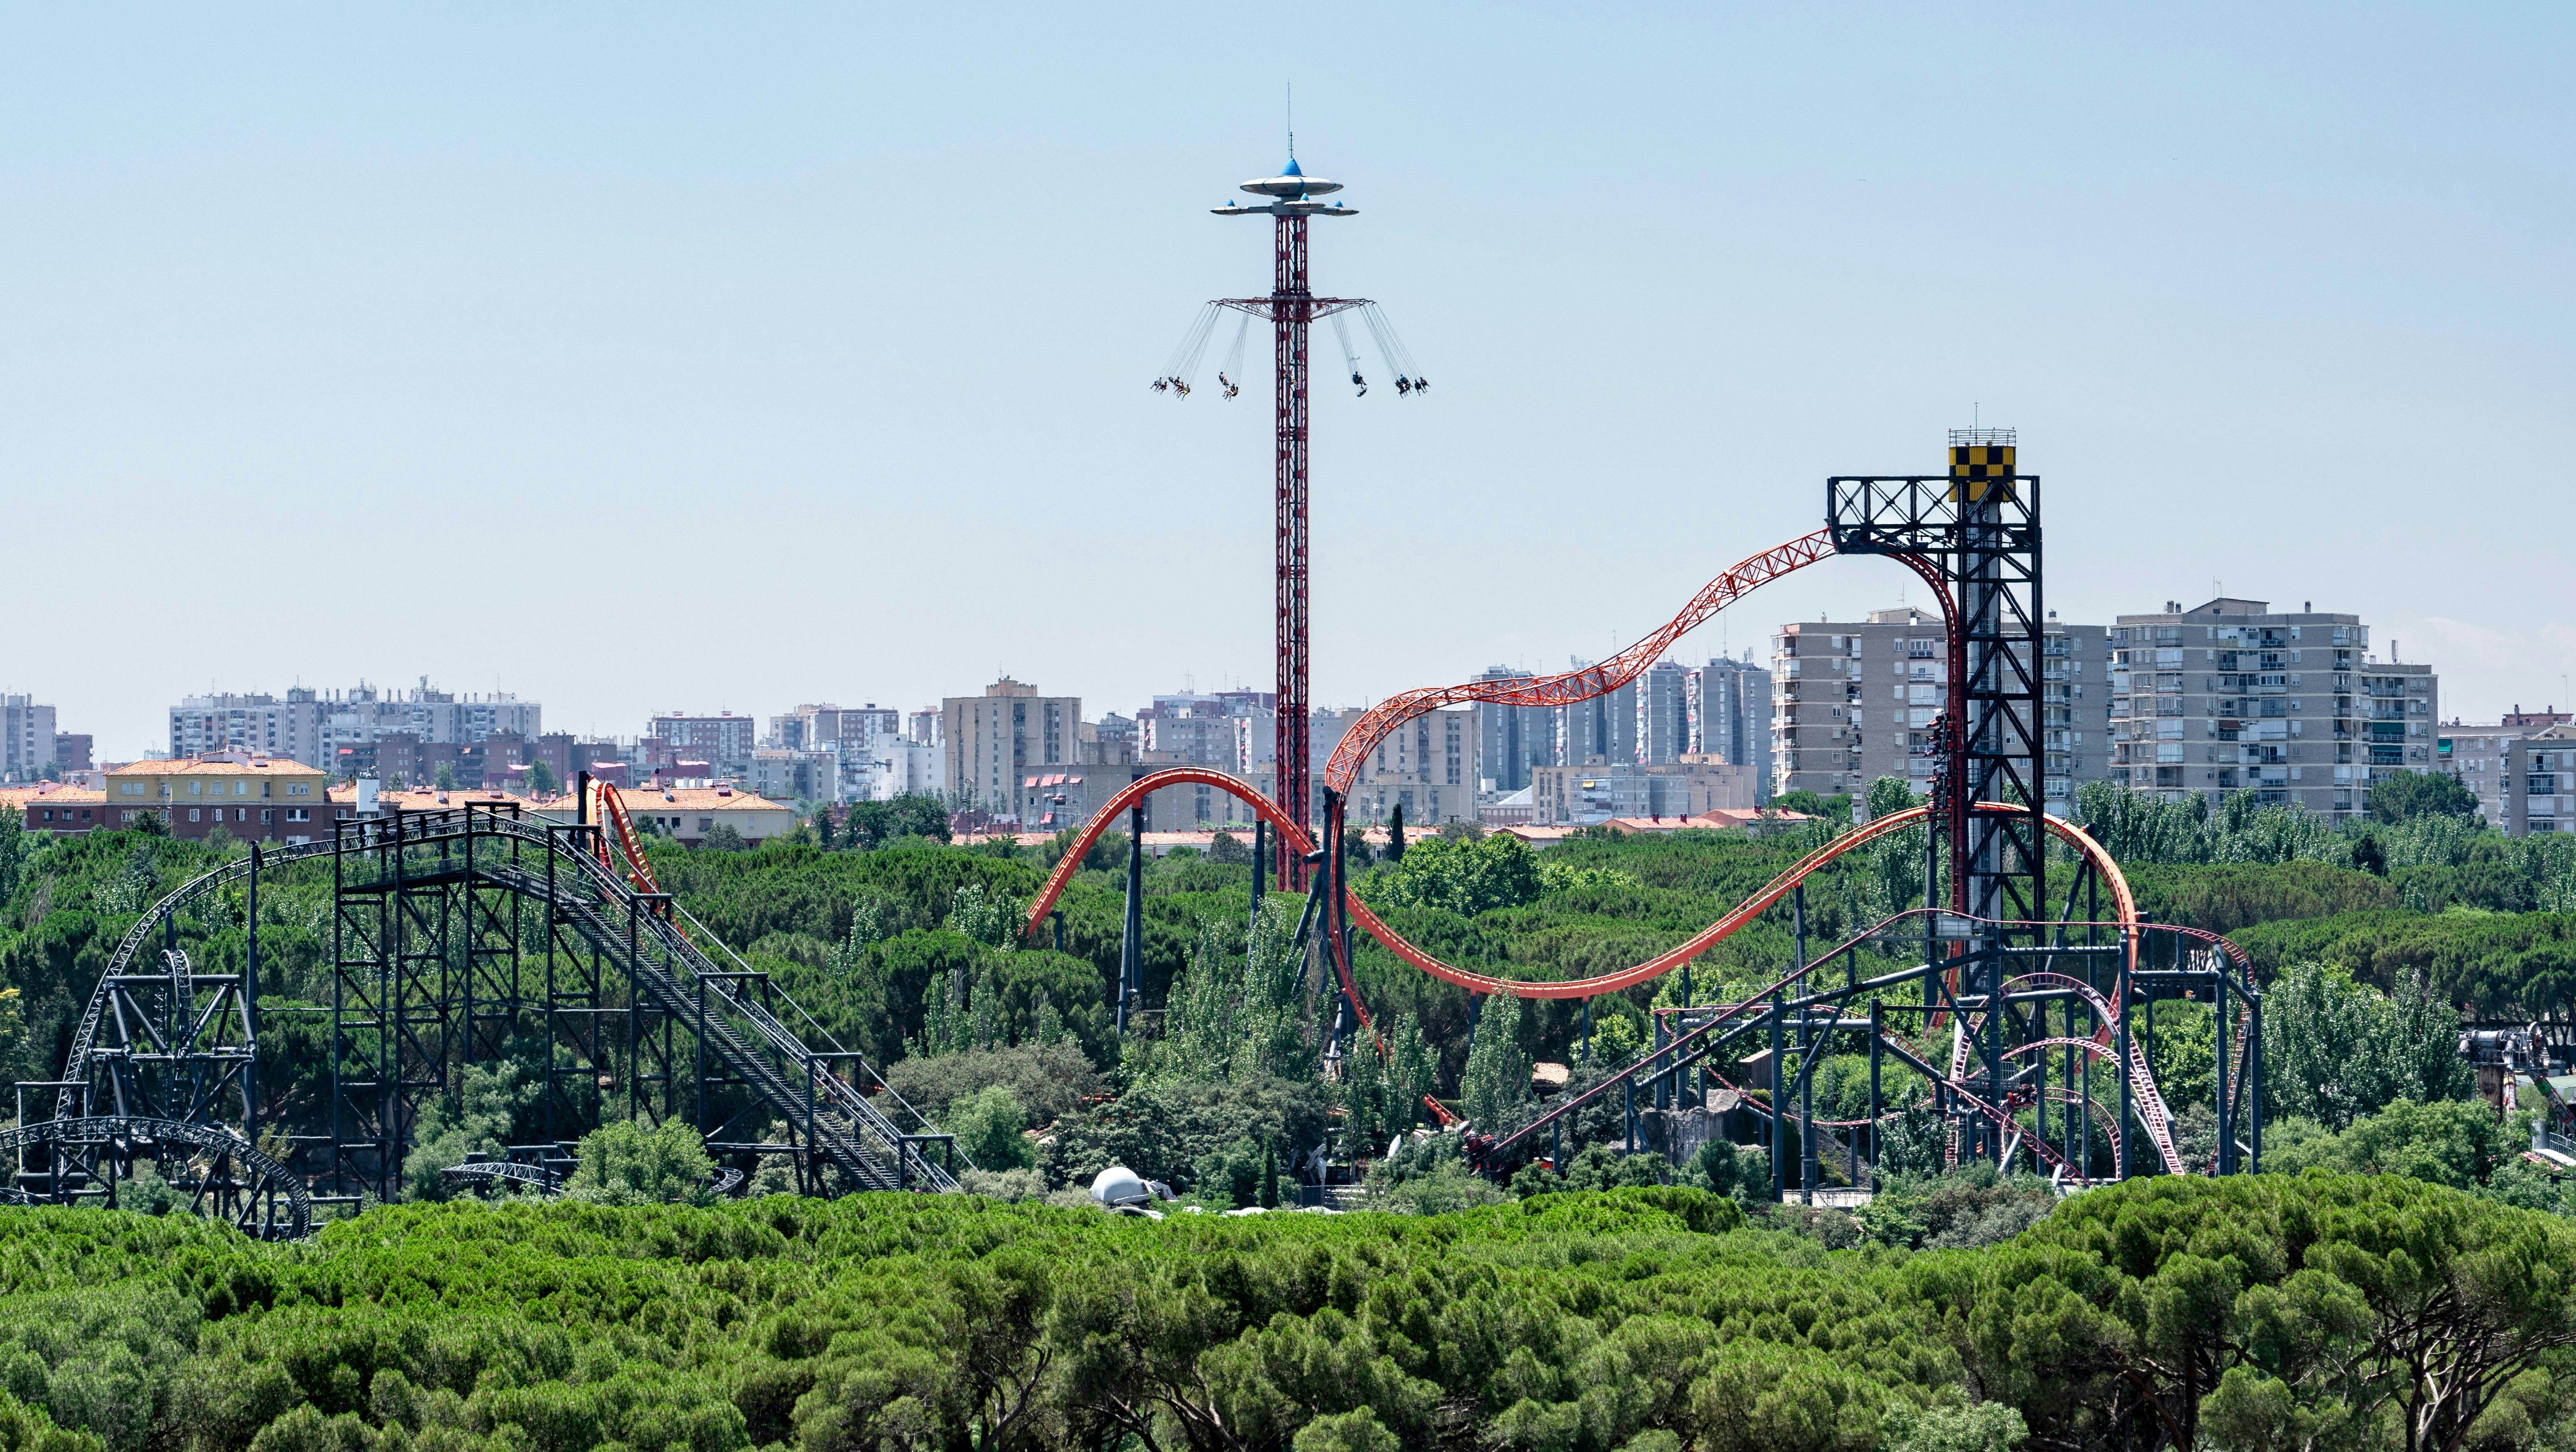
x: 26, y: 738
x: 2232, y: 696
x: 1731, y: 715
x: 2540, y: 782
x: 1663, y: 714
x: 1427, y: 766
x: 1599, y: 731
x: 314, y: 726
x: 789, y: 774
x: 863, y: 738
x: 1587, y: 795
x: 1856, y: 701
x: 723, y: 741
x: 1512, y: 739
x: 2480, y: 757
x: 992, y: 739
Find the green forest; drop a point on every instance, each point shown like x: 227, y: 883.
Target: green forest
x: 2316, y: 1311
x: 2399, y: 1280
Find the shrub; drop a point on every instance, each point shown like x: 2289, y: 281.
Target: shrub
x: 627, y: 1164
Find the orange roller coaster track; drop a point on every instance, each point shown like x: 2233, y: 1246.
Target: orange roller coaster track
x: 1593, y: 681
x: 1573, y: 686
x: 608, y: 809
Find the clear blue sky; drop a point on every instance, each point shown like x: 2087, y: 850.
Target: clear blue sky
x: 634, y: 357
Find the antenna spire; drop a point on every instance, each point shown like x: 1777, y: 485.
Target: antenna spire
x: 1292, y: 120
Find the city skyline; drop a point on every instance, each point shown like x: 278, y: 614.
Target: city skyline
x: 740, y: 303
x: 127, y: 741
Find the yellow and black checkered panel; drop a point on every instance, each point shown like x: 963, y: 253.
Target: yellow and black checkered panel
x: 1974, y: 468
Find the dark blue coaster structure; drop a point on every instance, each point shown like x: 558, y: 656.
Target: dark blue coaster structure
x: 2041, y: 987
x: 473, y: 935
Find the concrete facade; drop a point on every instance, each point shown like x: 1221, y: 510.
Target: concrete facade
x: 1599, y: 731
x: 310, y: 725
x: 2479, y: 757
x: 1586, y: 795
x: 1427, y: 766
x: 26, y: 738
x: 1731, y: 715
x: 2233, y: 696
x: 993, y: 740
x: 723, y: 741
x: 1855, y: 701
x: 1663, y: 714
x: 2540, y: 782
x: 1512, y: 739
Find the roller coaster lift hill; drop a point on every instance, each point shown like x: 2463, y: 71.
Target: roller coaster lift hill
x: 472, y: 934
x: 2046, y: 989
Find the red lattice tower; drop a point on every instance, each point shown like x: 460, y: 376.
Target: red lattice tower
x: 1291, y: 308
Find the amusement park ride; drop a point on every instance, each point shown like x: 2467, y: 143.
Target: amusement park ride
x: 473, y: 935
x: 2036, y: 994
x: 1291, y: 309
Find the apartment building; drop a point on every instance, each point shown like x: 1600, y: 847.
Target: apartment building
x: 823, y: 726
x: 1064, y: 795
x: 1731, y: 715
x: 866, y: 740
x: 1599, y: 731
x: 689, y: 814
x: 993, y: 740
x: 1427, y: 766
x: 1196, y: 731
x: 2233, y: 696
x: 1663, y: 714
x: 2540, y: 782
x: 1512, y: 739
x: 311, y: 725
x: 1855, y: 701
x: 2480, y: 757
x: 252, y: 798
x: 54, y: 807
x: 723, y: 741
x: 784, y: 775
x: 1585, y: 795
x: 26, y: 738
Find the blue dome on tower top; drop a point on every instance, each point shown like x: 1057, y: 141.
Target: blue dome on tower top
x: 1292, y: 168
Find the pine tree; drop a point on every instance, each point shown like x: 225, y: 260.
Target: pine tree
x: 1497, y: 1074
x: 1047, y: 1024
x: 987, y: 1012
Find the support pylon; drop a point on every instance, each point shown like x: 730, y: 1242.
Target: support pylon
x: 1292, y: 309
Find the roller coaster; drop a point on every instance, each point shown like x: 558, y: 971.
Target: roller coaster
x: 465, y: 936
x: 478, y: 935
x: 2015, y: 975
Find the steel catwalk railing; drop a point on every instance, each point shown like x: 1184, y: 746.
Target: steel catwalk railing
x: 744, y: 1033
x: 759, y: 1048
x: 1687, y: 1047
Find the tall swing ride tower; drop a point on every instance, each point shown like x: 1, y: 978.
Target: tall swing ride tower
x: 1290, y: 200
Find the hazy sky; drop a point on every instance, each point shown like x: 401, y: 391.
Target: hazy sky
x: 720, y: 357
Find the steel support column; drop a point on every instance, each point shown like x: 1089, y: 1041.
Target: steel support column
x: 1291, y: 314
